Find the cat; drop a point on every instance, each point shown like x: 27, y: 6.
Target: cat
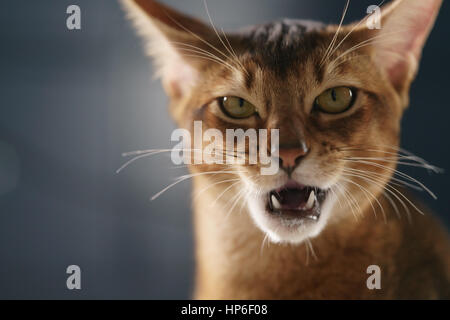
x: 337, y: 206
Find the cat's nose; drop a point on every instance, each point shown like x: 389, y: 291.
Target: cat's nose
x: 291, y: 157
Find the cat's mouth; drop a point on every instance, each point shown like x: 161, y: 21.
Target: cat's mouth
x: 294, y: 201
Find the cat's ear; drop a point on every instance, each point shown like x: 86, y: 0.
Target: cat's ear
x: 405, y: 26
x: 173, y: 40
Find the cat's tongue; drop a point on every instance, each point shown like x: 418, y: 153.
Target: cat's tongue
x: 292, y: 196
x: 292, y: 199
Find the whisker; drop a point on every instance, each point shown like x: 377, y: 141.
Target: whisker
x: 139, y: 154
x: 351, y: 31
x: 344, y: 193
x: 333, y: 41
x: 266, y: 236
x: 208, y: 59
x: 355, y: 56
x: 388, y: 188
x: 397, y: 172
x: 336, y: 197
x: 212, y: 185
x: 308, y: 241
x: 223, y: 192
x: 362, y: 44
x: 146, y: 153
x: 366, y: 191
x: 386, y: 146
x: 186, y: 177
x: 234, y: 53
x: 203, y: 53
x: 391, y: 201
x: 179, y: 44
x: 353, y: 200
x: 307, y: 254
x: 401, y: 153
x: 240, y: 196
x: 379, y: 176
x: 396, y: 161
x: 198, y: 37
x: 220, y: 38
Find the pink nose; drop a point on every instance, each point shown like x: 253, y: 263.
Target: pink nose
x: 290, y: 157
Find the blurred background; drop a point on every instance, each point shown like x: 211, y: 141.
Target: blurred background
x: 72, y: 102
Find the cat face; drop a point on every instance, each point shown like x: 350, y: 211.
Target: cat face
x: 335, y: 93
x: 283, y: 83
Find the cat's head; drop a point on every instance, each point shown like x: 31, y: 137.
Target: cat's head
x: 336, y: 94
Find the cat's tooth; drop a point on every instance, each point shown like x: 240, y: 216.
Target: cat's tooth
x: 311, y: 200
x: 275, y: 203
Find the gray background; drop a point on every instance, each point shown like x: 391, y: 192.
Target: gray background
x: 72, y: 101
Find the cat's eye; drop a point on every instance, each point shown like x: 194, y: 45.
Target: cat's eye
x: 236, y: 107
x: 335, y: 100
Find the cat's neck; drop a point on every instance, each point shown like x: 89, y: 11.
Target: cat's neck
x: 234, y: 260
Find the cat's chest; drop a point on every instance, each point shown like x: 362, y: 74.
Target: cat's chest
x: 297, y: 278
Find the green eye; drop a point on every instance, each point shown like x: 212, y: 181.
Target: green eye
x: 237, y: 108
x: 335, y: 100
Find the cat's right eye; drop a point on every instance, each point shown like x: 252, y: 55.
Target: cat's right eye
x: 236, y: 107
x: 335, y: 100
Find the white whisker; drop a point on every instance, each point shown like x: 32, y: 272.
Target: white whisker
x: 186, y: 177
x: 333, y: 41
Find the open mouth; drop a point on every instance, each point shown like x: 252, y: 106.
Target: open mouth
x: 296, y: 201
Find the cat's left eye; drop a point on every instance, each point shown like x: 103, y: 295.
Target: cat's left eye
x: 236, y: 107
x: 335, y: 100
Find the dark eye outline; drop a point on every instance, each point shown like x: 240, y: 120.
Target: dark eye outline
x: 353, y: 91
x: 220, y: 101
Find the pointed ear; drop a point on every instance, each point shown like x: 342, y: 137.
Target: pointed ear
x: 405, y: 26
x: 173, y: 40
